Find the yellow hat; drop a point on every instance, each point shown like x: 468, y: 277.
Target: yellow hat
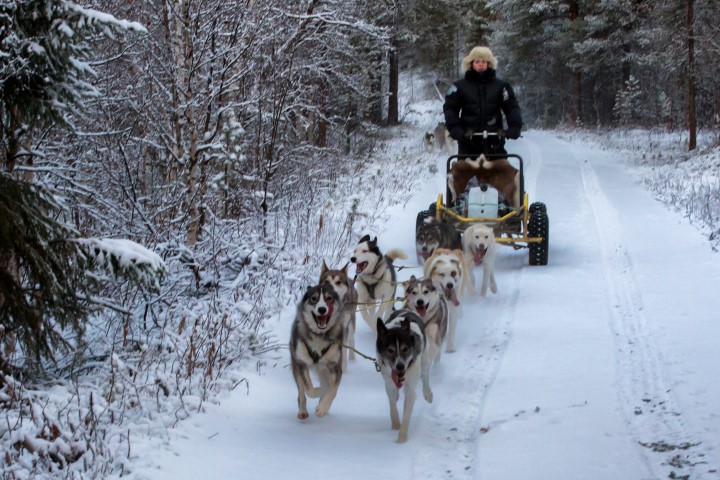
x: 479, y: 53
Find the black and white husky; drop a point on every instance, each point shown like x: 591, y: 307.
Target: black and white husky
x: 402, y: 361
x: 316, y: 343
x: 345, y: 288
x: 423, y: 298
x: 376, y: 280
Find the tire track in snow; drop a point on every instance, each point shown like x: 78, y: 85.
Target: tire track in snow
x: 647, y: 400
x: 448, y: 431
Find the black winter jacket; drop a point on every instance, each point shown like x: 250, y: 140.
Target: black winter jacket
x: 477, y: 100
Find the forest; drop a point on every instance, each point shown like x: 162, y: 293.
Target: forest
x: 162, y: 161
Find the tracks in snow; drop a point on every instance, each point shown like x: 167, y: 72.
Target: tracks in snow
x: 647, y: 399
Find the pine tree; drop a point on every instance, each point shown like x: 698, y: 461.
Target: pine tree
x: 44, y: 72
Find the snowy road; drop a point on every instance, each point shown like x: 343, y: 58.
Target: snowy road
x: 603, y: 364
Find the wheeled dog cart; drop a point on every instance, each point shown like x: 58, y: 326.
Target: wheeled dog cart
x: 526, y: 226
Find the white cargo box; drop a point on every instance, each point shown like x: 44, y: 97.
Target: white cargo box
x: 482, y: 202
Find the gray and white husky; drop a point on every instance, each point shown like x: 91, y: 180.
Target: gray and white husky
x: 402, y: 361
x: 315, y: 343
x: 423, y: 298
x: 376, y: 280
x: 345, y: 288
x: 431, y: 235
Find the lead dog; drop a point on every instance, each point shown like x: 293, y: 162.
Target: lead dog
x: 402, y: 361
x: 376, y: 280
x: 497, y: 173
x: 423, y: 298
x: 479, y: 247
x: 315, y: 343
x: 432, y: 234
x: 448, y: 271
x: 345, y: 288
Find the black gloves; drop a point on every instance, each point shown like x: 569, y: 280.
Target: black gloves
x: 512, y: 133
x: 469, y: 131
x: 456, y: 132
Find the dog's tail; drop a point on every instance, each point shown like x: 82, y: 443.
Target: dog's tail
x: 396, y: 253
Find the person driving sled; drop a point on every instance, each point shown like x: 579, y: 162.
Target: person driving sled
x: 475, y: 103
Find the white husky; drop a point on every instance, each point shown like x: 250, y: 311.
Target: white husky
x: 479, y: 247
x: 448, y: 271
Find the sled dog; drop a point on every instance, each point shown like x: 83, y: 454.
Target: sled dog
x: 402, y: 361
x: 315, y: 339
x: 376, y: 279
x: 448, y: 272
x: 345, y: 288
x: 497, y: 173
x: 479, y: 248
x: 431, y: 234
x: 423, y: 298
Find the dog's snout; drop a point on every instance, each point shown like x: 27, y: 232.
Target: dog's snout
x: 400, y: 367
x: 450, y: 285
x: 322, y: 310
x: 353, y: 259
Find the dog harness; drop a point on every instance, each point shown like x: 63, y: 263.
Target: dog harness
x: 315, y: 355
x: 370, y: 287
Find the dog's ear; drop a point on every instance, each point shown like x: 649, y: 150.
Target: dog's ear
x: 345, y: 268
x: 405, y: 323
x: 365, y: 238
x: 412, y: 278
x: 324, y: 268
x: 381, y: 328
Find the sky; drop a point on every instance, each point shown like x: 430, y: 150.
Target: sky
x: 602, y: 364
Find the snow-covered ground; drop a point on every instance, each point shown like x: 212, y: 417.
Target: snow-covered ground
x: 602, y: 364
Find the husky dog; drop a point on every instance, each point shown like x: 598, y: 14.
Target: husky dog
x: 448, y: 272
x: 423, y: 298
x: 429, y: 141
x: 345, y: 288
x: 479, y: 248
x: 444, y: 141
x: 315, y: 342
x: 376, y: 279
x: 431, y: 235
x: 401, y: 357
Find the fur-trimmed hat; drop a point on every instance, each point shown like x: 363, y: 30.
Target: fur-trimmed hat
x: 479, y: 53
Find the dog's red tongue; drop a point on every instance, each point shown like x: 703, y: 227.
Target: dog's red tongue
x: 479, y: 256
x: 360, y: 267
x: 398, y: 379
x: 451, y: 295
x: 422, y: 311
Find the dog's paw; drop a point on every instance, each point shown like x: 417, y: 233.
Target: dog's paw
x: 427, y: 393
x: 450, y: 349
x: 303, y: 415
x: 322, y: 410
x: 402, y: 437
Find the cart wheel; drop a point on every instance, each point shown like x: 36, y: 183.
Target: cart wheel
x: 421, y: 216
x: 539, y: 226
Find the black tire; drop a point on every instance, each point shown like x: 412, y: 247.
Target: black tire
x: 539, y: 226
x: 421, y: 216
x: 425, y: 214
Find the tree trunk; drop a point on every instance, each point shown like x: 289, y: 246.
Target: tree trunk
x: 393, y: 112
x: 577, y: 76
x: 692, y: 118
